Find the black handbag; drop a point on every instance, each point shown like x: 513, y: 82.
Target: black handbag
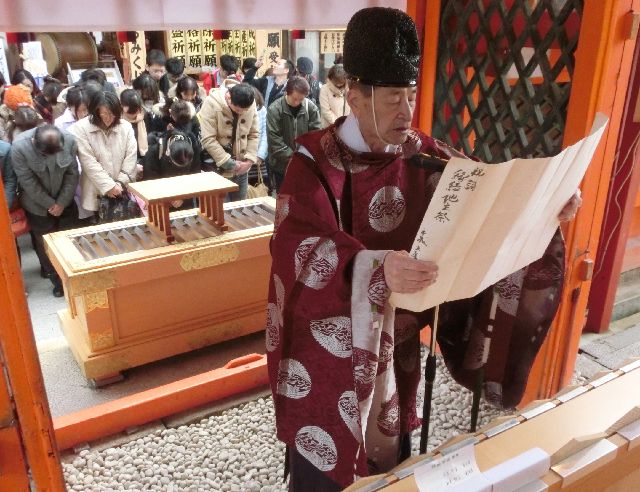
x: 122, y: 207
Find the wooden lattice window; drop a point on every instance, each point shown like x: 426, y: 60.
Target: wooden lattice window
x: 504, y: 75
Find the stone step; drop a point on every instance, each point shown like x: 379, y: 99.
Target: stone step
x: 627, y: 301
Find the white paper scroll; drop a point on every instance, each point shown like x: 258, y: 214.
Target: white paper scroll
x: 486, y: 221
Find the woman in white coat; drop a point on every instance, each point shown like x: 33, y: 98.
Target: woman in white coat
x: 333, y: 96
x: 107, y: 150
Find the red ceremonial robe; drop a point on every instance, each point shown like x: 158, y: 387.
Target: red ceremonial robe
x: 343, y: 365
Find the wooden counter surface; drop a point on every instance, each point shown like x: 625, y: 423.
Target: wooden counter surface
x: 589, y: 413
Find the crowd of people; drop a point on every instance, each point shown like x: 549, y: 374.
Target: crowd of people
x: 65, y: 149
x: 349, y: 208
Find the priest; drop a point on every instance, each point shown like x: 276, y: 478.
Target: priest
x: 344, y: 365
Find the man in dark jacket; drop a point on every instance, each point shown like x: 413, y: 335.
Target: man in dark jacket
x: 44, y: 160
x: 272, y: 87
x: 288, y: 118
x: 304, y: 66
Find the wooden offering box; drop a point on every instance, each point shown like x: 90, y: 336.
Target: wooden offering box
x: 134, y: 298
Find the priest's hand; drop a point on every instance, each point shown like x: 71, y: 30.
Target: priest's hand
x: 571, y: 208
x: 406, y: 275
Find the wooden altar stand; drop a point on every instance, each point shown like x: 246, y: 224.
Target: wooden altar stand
x: 209, y: 188
x: 140, y: 290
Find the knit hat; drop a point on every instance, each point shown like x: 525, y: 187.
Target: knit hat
x: 304, y: 65
x: 17, y: 95
x: 381, y: 48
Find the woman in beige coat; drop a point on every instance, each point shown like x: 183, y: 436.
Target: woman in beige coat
x: 333, y: 96
x: 107, y: 150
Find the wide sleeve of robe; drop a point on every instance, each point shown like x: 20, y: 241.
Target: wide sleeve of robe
x: 308, y: 336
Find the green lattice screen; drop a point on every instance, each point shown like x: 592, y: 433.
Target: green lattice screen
x: 504, y: 75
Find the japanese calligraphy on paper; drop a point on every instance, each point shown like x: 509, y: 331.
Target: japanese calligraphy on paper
x: 268, y: 48
x: 486, y: 221
x: 197, y: 48
x: 331, y: 41
x: 136, y: 53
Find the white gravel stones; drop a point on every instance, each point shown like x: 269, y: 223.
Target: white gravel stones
x: 236, y: 450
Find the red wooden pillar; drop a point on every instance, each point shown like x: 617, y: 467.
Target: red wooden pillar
x: 623, y: 190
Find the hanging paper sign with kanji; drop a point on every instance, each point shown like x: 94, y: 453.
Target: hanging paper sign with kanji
x: 177, y: 45
x: 241, y: 44
x: 197, y: 47
x: 269, y: 48
x: 208, y: 49
x: 136, y: 53
x: 331, y: 41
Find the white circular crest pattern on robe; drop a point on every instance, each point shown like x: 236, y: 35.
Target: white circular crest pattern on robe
x: 279, y: 287
x: 365, y: 364
x: 293, y: 379
x: 387, y: 209
x: 508, y: 290
x: 317, y: 446
x: 282, y: 210
x: 275, y: 316
x: 273, y: 327
x: 348, y: 408
x: 334, y: 334
x: 389, y: 417
x: 316, y: 262
x: 385, y: 355
x: 378, y: 287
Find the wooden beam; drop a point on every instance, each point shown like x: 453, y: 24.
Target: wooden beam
x: 428, y: 74
x: 23, y: 368
x: 239, y: 375
x: 602, y: 71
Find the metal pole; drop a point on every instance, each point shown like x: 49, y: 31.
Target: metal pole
x: 477, y: 394
x: 429, y: 378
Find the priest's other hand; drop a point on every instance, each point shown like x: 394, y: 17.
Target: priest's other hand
x: 406, y: 275
x: 571, y: 208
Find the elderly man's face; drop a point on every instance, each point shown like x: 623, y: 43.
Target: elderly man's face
x: 394, y: 108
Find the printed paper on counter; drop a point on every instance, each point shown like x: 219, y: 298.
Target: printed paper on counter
x: 456, y: 471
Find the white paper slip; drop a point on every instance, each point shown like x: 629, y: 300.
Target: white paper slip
x: 630, y: 366
x: 631, y: 433
x: 570, y: 395
x: 570, y: 469
x: 508, y: 424
x: 535, y: 411
x: 456, y: 471
x: 603, y: 379
x: 535, y: 486
x: 524, y: 468
x: 409, y: 470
